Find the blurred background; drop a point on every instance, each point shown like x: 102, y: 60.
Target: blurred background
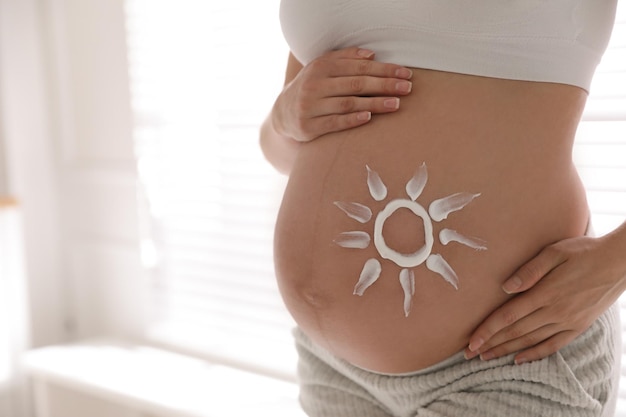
x: 136, y: 210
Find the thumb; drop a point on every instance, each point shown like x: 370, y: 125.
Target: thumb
x: 533, y: 271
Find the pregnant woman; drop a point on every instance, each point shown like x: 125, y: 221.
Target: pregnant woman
x: 433, y: 240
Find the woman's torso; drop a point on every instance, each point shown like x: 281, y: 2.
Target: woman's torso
x: 509, y: 141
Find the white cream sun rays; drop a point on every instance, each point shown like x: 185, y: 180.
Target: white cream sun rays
x: 437, y: 211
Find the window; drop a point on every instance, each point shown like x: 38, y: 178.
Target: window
x: 600, y: 149
x: 601, y: 141
x: 204, y: 74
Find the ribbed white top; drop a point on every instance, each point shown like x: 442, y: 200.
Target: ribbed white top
x: 559, y: 41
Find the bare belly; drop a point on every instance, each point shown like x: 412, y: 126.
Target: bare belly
x: 508, y: 141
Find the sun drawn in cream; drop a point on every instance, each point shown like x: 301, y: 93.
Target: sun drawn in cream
x: 438, y: 210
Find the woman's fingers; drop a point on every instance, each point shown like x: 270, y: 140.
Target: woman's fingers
x: 368, y: 86
x: 353, y: 52
x: 564, y: 289
x: 334, y: 104
x: 547, y: 341
x: 340, y: 113
x: 359, y: 61
x: 347, y: 67
x: 337, y: 91
x: 523, y: 334
x: 508, y: 315
x: 354, y: 85
x: 531, y: 272
x: 505, y: 317
x: 352, y: 104
x: 339, y: 122
x: 546, y: 348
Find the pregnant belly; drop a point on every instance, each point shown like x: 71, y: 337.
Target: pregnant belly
x: 393, y: 239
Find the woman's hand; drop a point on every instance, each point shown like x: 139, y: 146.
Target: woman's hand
x: 560, y: 293
x: 338, y: 91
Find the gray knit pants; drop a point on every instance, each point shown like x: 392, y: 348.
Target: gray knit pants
x: 580, y: 380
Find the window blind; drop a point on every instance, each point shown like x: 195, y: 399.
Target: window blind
x: 600, y: 152
x: 203, y: 76
x: 600, y: 147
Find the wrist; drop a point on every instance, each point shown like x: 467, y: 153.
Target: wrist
x: 616, y: 246
x: 277, y: 128
x: 280, y: 150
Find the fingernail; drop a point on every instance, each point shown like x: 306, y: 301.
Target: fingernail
x: 487, y: 356
x: 365, y: 53
x: 391, y: 103
x: 476, y: 344
x: 520, y: 361
x: 469, y: 355
x: 404, y: 73
x: 512, y: 285
x: 404, y: 86
x: 364, y: 116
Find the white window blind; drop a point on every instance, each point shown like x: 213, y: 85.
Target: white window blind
x: 203, y: 75
x: 600, y: 152
x: 600, y: 148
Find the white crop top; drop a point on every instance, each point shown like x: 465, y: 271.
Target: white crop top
x: 559, y: 41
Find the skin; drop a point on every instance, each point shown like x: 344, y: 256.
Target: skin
x: 338, y: 91
x: 553, y: 298
x: 557, y: 298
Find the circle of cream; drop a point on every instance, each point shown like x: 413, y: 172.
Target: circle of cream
x: 403, y: 260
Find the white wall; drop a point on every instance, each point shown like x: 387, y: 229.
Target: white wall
x: 90, y: 105
x: 30, y: 163
x: 67, y: 140
x: 66, y: 132
x: 67, y: 126
x: 61, y: 401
